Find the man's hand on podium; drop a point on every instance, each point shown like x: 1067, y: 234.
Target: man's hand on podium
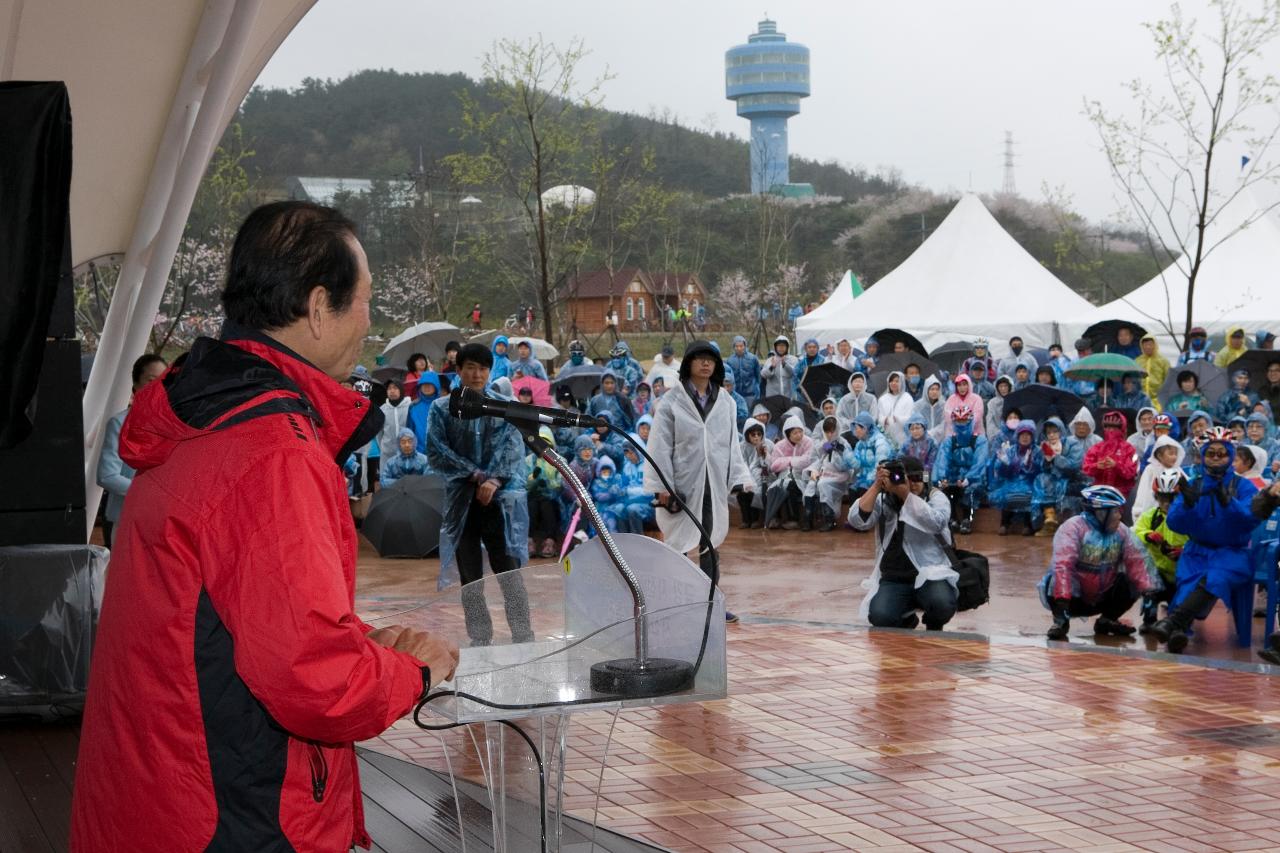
x: 439, y: 656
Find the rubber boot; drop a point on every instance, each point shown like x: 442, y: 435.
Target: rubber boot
x: 828, y: 518
x: 1172, y: 629
x: 1150, y: 613
x: 1050, y: 521
x: 1061, y: 622
x: 966, y: 519
x: 810, y: 507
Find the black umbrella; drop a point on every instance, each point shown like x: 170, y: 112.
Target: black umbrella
x: 778, y: 405
x: 581, y: 380
x: 889, y: 337
x: 1103, y: 334
x: 1211, y: 380
x: 821, y: 378
x: 1038, y: 402
x: 898, y: 361
x: 1255, y: 361
x: 951, y: 356
x: 404, y: 518
x: 387, y: 372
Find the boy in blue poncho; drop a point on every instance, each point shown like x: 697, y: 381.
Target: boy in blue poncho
x: 744, y: 366
x: 408, y: 461
x: 416, y: 420
x: 1060, y: 481
x: 566, y: 435
x: 526, y: 364
x: 960, y: 467
x: 640, y: 510
x: 607, y: 442
x: 501, y: 360
x: 1014, y: 468
x: 1214, y: 511
x: 1239, y: 400
x: 919, y: 444
x: 871, y: 449
x: 611, y: 400
x: 809, y: 357
x: 610, y: 496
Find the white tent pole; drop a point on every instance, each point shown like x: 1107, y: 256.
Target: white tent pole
x: 195, y: 123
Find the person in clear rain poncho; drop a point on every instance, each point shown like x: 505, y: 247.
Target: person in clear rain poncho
x: 482, y: 462
x: 828, y: 478
x: 857, y: 401
x: 932, y: 407
x: 756, y: 450
x: 894, y: 408
x: 791, y: 455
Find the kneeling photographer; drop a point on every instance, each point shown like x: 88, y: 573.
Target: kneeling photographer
x: 913, y: 571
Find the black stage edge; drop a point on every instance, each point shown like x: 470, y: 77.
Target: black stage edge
x: 410, y: 809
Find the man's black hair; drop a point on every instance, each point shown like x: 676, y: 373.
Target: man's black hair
x: 452, y: 346
x: 142, y: 362
x: 1017, y: 338
x: 281, y: 253
x: 479, y: 353
x: 912, y: 465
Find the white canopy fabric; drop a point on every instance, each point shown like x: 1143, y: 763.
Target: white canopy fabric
x: 1237, y: 283
x: 969, y: 279
x: 835, y: 304
x: 152, y: 86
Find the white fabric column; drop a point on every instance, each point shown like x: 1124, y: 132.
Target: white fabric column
x: 196, y: 122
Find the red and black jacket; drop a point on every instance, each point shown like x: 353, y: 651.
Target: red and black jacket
x: 230, y: 674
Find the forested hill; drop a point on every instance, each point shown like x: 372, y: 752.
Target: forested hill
x: 372, y: 124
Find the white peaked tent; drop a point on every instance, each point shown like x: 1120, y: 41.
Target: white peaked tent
x: 839, y: 300
x: 1238, y: 282
x: 968, y: 279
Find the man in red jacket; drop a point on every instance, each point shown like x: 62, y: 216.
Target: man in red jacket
x: 231, y: 675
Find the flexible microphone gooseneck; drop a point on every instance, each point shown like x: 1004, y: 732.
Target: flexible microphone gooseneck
x: 469, y: 404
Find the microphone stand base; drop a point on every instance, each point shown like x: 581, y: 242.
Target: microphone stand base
x: 631, y: 679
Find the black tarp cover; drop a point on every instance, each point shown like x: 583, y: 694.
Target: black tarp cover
x: 35, y: 189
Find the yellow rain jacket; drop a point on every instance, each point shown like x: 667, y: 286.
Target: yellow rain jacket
x: 1157, y: 368
x: 1227, y: 354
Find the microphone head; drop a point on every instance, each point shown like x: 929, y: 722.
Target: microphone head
x: 466, y: 403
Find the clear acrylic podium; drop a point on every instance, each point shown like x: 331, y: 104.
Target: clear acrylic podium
x: 528, y: 642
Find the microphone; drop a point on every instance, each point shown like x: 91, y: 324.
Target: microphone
x: 468, y: 404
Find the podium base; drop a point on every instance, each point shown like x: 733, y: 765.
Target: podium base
x: 631, y: 679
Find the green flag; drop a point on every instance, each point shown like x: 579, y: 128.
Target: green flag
x: 854, y: 285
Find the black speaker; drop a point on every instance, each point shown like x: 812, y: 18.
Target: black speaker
x: 45, y: 471
x: 64, y: 526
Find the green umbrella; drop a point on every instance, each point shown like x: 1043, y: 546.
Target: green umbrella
x: 1103, y: 365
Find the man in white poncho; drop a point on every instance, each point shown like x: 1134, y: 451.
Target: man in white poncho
x: 695, y: 442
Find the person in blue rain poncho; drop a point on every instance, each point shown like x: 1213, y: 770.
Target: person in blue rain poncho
x: 640, y: 509
x: 1239, y: 399
x: 644, y: 425
x: 1198, y: 425
x: 526, y: 364
x: 961, y: 467
x: 1214, y: 511
x: 810, y: 356
x: 610, y: 495
x: 612, y: 400
x: 919, y: 443
x: 744, y: 367
x: 420, y: 409
x: 482, y: 463
x: 625, y: 367
x: 730, y: 388
x: 1260, y: 432
x: 577, y: 359
x: 501, y: 358
x: 870, y: 449
x: 608, y: 442
x: 405, y: 462
x: 982, y: 384
x: 1130, y: 394
x: 1014, y: 468
x: 1056, y: 494
x: 566, y: 435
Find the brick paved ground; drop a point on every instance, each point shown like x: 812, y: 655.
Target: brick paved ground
x: 889, y: 741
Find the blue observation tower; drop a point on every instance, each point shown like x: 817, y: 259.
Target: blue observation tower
x: 766, y: 78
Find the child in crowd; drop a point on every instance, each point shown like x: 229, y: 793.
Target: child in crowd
x: 1236, y: 427
x: 932, y: 407
x: 408, y: 461
x: 871, y: 449
x: 1144, y: 435
x: 583, y: 465
x: 565, y: 436
x: 919, y: 444
x: 642, y: 400
x: 964, y: 396
x: 607, y: 442
x: 790, y: 457
x: 828, y: 479
x: 828, y: 410
x: 1239, y: 399
x: 418, y: 365
x: 428, y: 389
x: 1021, y: 378
x: 756, y: 450
x: 995, y: 406
x: 642, y: 428
x: 857, y: 401
x: 1166, y: 455
x: 1188, y: 398
x: 1251, y: 463
x: 542, y: 490
x: 960, y: 466
x: 640, y: 510
x: 612, y: 400
x: 1113, y: 462
x: 1057, y: 487
x: 1014, y: 468
x: 1162, y: 426
x: 1163, y: 545
x: 610, y: 496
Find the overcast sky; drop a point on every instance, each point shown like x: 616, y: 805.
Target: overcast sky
x: 928, y: 88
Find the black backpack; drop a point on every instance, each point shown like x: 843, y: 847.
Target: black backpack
x: 974, y: 584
